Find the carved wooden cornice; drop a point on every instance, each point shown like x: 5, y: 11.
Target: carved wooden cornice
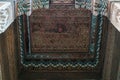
x: 114, y: 14
x: 6, y: 15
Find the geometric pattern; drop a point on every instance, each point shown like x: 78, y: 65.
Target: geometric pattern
x: 46, y: 26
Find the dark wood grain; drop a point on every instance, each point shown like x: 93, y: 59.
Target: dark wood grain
x: 112, y: 53
x: 8, y: 58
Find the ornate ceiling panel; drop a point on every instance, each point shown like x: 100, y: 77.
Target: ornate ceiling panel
x: 61, y: 35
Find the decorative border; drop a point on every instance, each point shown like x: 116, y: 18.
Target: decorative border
x: 94, y: 48
x: 62, y: 2
x: 95, y: 6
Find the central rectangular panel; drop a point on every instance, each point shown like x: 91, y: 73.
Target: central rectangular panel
x: 55, y: 30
